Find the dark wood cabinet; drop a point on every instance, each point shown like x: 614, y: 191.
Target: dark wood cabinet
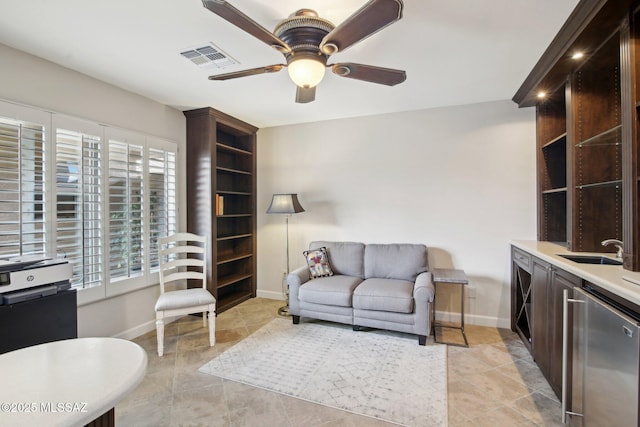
x: 630, y: 43
x: 541, y: 327
x: 586, y: 124
x: 596, y: 143
x: 551, y: 124
x: 521, y: 309
x: 540, y: 288
x: 221, y: 201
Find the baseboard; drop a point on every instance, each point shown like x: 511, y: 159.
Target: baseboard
x: 470, y: 319
x: 142, y: 329
x: 270, y: 295
x: 473, y: 319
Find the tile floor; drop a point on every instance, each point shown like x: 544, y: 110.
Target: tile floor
x: 492, y: 383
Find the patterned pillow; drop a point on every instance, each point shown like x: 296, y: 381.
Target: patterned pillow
x: 318, y: 262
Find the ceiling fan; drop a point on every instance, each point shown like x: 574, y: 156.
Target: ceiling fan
x: 307, y: 40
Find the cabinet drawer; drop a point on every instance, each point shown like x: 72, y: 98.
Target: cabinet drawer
x: 522, y: 258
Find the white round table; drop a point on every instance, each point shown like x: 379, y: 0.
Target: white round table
x: 67, y: 383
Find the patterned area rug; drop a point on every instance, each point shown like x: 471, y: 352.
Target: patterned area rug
x: 380, y: 374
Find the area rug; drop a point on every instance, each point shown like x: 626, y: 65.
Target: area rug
x: 379, y: 374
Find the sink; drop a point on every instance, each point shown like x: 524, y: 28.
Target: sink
x: 591, y: 259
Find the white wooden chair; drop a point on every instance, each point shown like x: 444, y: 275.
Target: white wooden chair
x: 182, y: 257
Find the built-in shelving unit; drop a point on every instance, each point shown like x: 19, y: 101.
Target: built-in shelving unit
x: 587, y: 129
x: 221, y: 164
x: 552, y: 167
x: 597, y: 151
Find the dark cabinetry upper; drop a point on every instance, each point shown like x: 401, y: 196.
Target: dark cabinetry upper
x: 585, y: 92
x: 221, y: 201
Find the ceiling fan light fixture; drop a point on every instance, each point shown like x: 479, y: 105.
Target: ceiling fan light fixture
x: 306, y: 72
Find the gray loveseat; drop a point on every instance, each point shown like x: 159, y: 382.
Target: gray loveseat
x: 382, y: 286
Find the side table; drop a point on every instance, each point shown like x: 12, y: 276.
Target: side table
x: 450, y: 277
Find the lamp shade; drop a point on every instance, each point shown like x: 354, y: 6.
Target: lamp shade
x: 285, y: 204
x: 306, y: 72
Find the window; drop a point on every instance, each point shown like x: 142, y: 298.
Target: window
x: 22, y: 196
x: 142, y: 205
x: 126, y: 207
x: 162, y: 199
x: 78, y: 190
x: 97, y: 195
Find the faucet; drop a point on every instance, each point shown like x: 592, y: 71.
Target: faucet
x: 617, y: 243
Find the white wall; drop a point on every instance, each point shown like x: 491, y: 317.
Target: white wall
x: 459, y: 179
x: 38, y: 83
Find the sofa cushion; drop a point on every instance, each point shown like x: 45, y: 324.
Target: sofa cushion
x: 318, y: 262
x: 384, y: 295
x: 346, y: 258
x: 333, y: 290
x: 395, y: 261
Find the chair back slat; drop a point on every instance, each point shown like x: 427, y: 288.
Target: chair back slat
x: 182, y: 249
x: 182, y: 237
x: 183, y: 262
x: 182, y: 275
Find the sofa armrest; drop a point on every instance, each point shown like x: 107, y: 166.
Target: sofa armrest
x: 295, y: 279
x: 424, y: 290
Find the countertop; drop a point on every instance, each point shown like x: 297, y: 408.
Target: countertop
x: 613, y: 278
x: 69, y: 382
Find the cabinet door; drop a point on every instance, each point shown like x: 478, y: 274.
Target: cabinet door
x: 560, y: 280
x: 540, y: 330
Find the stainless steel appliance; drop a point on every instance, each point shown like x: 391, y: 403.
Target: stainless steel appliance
x: 606, y: 368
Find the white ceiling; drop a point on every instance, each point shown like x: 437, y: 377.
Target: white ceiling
x: 454, y: 52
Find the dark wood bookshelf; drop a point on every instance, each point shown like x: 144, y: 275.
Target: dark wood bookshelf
x: 221, y: 161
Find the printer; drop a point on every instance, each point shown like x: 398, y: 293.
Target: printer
x: 27, y: 278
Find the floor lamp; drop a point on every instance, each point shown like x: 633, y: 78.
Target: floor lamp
x: 287, y: 204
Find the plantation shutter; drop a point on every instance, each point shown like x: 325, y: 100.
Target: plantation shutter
x: 79, y: 204
x: 126, y: 207
x: 22, y: 195
x: 162, y: 199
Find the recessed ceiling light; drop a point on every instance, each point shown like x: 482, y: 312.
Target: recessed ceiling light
x: 577, y: 55
x: 542, y: 94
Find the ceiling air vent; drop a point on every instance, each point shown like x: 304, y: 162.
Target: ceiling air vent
x: 208, y: 56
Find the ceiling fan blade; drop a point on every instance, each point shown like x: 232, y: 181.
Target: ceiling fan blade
x: 369, y: 73
x: 242, y: 21
x: 369, y: 19
x: 250, y: 72
x: 305, y: 94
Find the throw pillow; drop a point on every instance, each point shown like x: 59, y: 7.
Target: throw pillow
x: 318, y: 262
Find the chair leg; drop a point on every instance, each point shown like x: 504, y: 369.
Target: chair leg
x: 160, y: 334
x: 212, y: 326
x: 204, y: 319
